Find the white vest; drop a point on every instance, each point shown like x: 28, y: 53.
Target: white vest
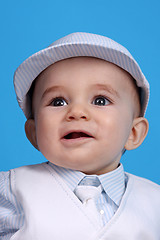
x: 53, y: 212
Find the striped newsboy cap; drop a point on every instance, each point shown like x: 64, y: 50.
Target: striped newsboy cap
x: 74, y: 45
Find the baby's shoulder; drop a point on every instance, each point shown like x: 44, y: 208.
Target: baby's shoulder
x: 144, y: 187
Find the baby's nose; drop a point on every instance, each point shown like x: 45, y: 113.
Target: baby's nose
x: 77, y: 112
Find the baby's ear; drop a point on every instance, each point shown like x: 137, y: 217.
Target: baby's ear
x: 30, y: 130
x: 138, y: 133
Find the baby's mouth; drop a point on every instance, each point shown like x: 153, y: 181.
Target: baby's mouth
x: 75, y: 135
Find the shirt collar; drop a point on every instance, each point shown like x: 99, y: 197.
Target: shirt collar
x: 112, y: 182
x: 71, y: 177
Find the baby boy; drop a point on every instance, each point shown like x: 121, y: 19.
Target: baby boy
x: 84, y: 98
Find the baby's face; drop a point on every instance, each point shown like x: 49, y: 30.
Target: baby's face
x: 83, y: 112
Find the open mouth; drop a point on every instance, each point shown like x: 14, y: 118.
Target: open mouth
x: 74, y: 135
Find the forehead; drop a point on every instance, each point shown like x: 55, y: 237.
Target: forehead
x: 84, y: 71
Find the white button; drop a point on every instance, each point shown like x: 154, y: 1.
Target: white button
x: 102, y: 212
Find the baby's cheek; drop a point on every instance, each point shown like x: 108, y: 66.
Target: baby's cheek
x: 47, y: 136
x: 42, y: 133
x: 114, y: 131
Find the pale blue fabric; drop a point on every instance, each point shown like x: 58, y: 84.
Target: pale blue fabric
x: 11, y: 212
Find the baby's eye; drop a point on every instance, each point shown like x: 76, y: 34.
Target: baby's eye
x: 101, y: 101
x: 58, y: 102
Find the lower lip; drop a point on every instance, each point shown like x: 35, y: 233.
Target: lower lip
x: 76, y: 141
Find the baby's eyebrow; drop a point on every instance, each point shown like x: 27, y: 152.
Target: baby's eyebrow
x: 52, y: 89
x: 106, y: 87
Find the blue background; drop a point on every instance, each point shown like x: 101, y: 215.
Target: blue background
x: 29, y: 26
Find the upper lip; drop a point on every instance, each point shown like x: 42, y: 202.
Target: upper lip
x: 87, y: 133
